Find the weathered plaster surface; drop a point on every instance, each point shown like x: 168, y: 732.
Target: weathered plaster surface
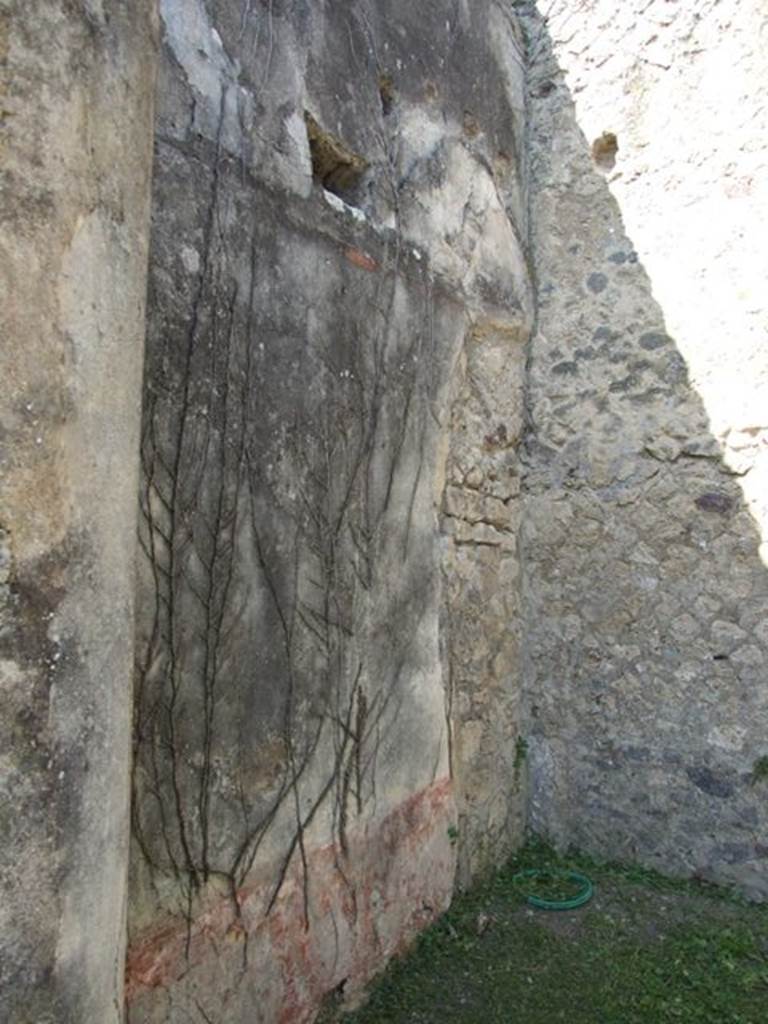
x: 310, y: 726
x: 76, y: 150
x: 646, y: 594
x: 264, y: 967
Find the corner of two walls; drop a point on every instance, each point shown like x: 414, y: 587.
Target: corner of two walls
x: 362, y: 481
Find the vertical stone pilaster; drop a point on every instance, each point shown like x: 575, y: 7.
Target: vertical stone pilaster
x: 76, y: 137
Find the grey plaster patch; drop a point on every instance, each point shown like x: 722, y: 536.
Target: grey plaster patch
x: 211, y: 72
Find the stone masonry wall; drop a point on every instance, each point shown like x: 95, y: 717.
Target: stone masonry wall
x: 338, y: 307
x: 76, y: 117
x: 645, y: 582
x: 481, y: 635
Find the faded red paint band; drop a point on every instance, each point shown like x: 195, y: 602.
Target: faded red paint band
x: 365, y: 907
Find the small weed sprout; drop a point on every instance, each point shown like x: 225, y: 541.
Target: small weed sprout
x: 760, y: 769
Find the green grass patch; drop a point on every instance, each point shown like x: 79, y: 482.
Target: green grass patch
x: 646, y: 950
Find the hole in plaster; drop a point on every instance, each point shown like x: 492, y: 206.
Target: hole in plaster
x: 544, y: 89
x: 604, y: 150
x: 386, y: 94
x: 334, y: 165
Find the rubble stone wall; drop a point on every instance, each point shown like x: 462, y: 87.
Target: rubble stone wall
x: 646, y: 507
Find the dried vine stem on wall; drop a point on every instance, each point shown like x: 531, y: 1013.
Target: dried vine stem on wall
x: 260, y: 559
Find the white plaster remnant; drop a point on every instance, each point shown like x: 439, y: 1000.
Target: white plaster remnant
x: 338, y: 204
x: 190, y: 258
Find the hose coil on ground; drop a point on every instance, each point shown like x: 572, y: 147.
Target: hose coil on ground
x: 582, y: 895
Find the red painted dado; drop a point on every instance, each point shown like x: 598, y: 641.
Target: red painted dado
x: 396, y: 878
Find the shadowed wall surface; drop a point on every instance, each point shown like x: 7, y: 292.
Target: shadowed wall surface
x: 338, y: 312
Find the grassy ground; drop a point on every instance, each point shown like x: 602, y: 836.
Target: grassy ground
x: 645, y: 950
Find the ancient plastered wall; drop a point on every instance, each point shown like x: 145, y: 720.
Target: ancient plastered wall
x: 646, y: 587
x: 76, y: 137
x: 325, y: 325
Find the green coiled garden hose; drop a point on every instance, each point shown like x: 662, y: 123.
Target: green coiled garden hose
x: 582, y: 896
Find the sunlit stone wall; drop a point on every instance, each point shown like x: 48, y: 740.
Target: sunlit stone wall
x: 646, y: 589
